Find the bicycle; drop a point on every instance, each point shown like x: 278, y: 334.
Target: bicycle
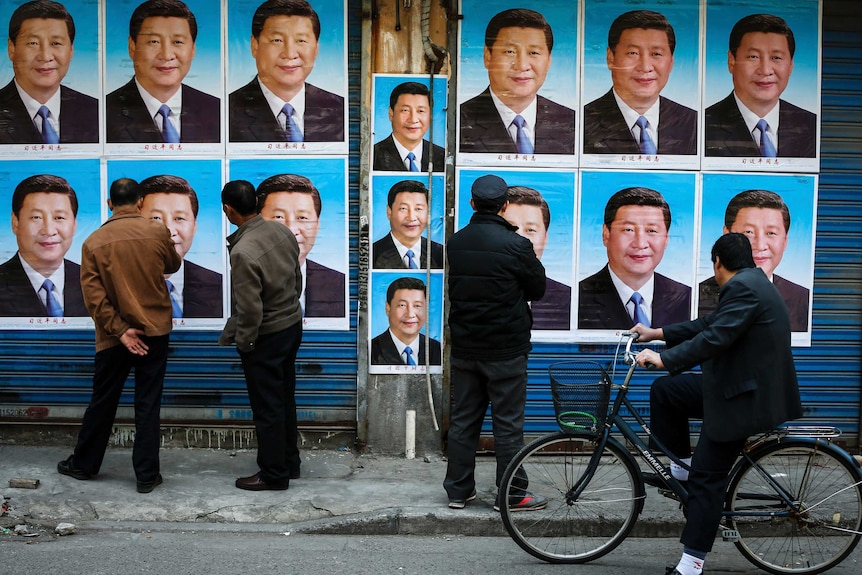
x: 793, y: 503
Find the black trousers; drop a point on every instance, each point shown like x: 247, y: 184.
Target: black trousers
x: 270, y: 375
x: 673, y: 400
x: 112, y: 368
x: 474, y: 384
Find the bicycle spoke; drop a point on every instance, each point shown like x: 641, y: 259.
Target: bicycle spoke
x: 820, y: 523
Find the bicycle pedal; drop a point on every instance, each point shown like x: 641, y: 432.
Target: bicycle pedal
x: 669, y: 494
x: 731, y: 535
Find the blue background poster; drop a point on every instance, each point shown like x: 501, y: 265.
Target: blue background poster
x: 83, y: 178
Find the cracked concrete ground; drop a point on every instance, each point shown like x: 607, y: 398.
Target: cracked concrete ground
x: 339, y: 492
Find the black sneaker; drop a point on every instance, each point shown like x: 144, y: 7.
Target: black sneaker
x: 528, y: 502
x: 462, y: 503
x: 148, y: 486
x: 67, y: 467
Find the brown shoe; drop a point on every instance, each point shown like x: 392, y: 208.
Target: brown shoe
x: 255, y: 483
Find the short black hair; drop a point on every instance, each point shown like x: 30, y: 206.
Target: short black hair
x: 646, y: 19
x: 756, y: 199
x: 766, y: 23
x: 124, y: 192
x: 636, y: 196
x: 43, y: 184
x: 524, y: 196
x: 416, y: 88
x: 733, y: 251
x: 163, y: 8
x: 291, y: 183
x: 40, y: 9
x: 165, y: 184
x: 241, y: 196
x: 405, y: 283
x: 518, y: 18
x: 408, y: 186
x: 272, y: 8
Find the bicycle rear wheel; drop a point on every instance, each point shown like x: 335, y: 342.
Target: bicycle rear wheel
x: 592, y: 524
x: 825, y: 526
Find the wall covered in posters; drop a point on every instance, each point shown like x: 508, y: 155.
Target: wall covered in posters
x: 181, y: 96
x: 612, y: 95
x: 679, y: 120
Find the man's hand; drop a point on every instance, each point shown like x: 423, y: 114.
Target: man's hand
x: 133, y: 342
x: 649, y: 359
x: 647, y: 333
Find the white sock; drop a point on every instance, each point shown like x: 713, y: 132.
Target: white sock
x: 679, y: 472
x: 690, y: 565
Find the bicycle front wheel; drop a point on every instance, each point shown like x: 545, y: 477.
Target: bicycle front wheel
x: 821, y: 525
x: 571, y: 529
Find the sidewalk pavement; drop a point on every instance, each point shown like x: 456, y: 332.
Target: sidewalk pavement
x: 340, y: 492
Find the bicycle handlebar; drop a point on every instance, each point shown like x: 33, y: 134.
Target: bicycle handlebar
x: 628, y: 354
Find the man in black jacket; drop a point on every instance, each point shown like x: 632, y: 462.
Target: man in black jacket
x: 493, y: 273
x: 748, y: 386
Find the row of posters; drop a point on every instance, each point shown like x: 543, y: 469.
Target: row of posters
x: 599, y: 234
x: 585, y: 79
x: 56, y: 204
x: 223, y: 69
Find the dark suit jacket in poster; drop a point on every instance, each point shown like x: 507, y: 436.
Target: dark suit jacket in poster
x: 18, y: 299
x: 387, y: 158
x: 728, y: 136
x: 202, y: 292
x: 599, y: 305
x: 79, y: 118
x: 554, y: 310
x: 749, y: 382
x: 795, y: 297
x: 482, y: 130
x: 128, y: 119
x: 324, y: 291
x: 384, y: 352
x: 384, y: 254
x: 606, y: 132
x: 251, y: 119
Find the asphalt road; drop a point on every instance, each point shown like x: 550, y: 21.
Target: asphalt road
x: 223, y: 552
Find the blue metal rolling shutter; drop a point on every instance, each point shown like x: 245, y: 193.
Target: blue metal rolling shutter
x: 829, y: 371
x: 45, y: 377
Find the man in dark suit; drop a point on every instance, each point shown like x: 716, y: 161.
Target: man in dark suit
x: 627, y: 290
x: 405, y: 246
x: 34, y: 106
x: 278, y: 105
x: 406, y: 308
x: 632, y: 117
x: 529, y: 211
x: 294, y: 201
x: 509, y: 117
x: 38, y: 281
x: 155, y: 106
x: 753, y: 121
x: 406, y: 148
x: 748, y: 386
x: 764, y: 218
x: 195, y: 291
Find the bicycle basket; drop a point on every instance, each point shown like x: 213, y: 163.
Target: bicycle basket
x: 581, y: 391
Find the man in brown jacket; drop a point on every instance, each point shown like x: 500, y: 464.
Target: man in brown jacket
x: 123, y: 265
